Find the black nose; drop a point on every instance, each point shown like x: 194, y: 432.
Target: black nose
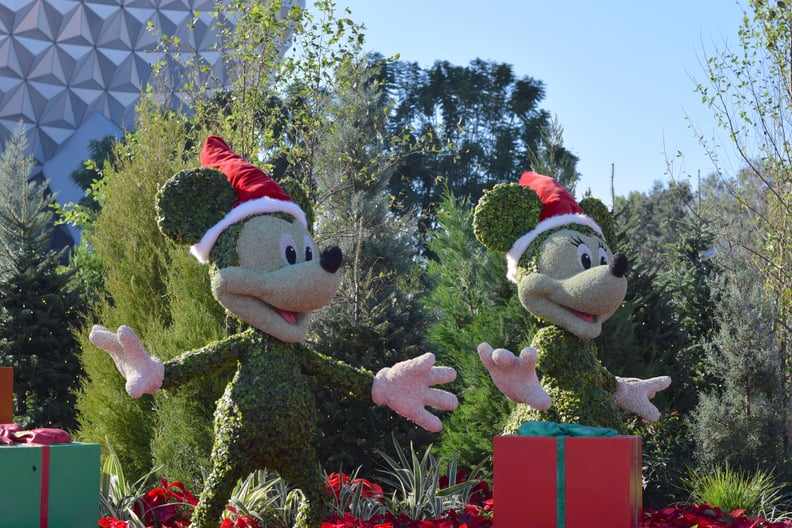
x: 331, y: 259
x: 619, y: 265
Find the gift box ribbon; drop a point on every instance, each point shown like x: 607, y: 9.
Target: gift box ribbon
x: 11, y: 434
x: 561, y: 431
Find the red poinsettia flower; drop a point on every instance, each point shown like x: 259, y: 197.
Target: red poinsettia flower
x: 347, y: 520
x: 167, y: 506
x: 112, y: 522
x: 336, y: 481
x: 705, y: 516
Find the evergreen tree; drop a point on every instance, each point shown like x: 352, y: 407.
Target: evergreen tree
x: 472, y: 301
x: 160, y: 292
x: 741, y: 419
x: 483, y: 125
x: 376, y: 318
x: 646, y: 338
x: 38, y: 307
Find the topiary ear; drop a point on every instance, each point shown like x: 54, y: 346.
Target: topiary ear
x: 191, y: 202
x: 505, y: 213
x: 598, y: 212
x: 298, y: 194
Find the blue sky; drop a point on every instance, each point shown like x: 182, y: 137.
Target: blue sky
x: 619, y: 75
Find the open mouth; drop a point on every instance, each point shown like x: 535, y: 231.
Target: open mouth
x: 289, y: 317
x: 582, y: 315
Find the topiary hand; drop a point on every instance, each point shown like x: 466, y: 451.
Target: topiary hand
x: 143, y: 374
x: 515, y: 376
x: 633, y: 395
x: 406, y: 387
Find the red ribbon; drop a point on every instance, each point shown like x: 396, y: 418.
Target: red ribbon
x: 10, y: 434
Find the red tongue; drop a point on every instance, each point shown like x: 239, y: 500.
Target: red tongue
x: 586, y: 317
x: 289, y: 317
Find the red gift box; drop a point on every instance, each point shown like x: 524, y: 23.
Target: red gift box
x: 6, y: 395
x: 567, y: 481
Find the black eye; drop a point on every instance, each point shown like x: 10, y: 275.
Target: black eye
x: 291, y: 254
x: 583, y: 253
x: 603, y: 256
x: 308, y: 253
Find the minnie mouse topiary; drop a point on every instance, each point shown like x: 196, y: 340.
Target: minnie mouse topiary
x: 566, y: 275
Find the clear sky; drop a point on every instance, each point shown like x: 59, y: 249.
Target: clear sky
x: 619, y: 74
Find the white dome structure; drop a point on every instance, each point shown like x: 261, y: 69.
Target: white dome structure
x: 73, y: 70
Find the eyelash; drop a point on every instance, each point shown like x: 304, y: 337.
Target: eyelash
x: 576, y: 241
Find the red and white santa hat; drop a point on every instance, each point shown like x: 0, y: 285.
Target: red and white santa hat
x: 257, y: 193
x: 559, y: 208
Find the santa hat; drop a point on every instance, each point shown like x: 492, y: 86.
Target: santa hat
x: 257, y: 193
x: 559, y: 209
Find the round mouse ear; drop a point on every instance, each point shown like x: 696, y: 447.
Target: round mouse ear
x: 191, y: 202
x: 599, y: 212
x: 505, y: 213
x: 299, y: 196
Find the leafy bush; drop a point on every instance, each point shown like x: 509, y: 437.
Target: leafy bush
x: 731, y: 489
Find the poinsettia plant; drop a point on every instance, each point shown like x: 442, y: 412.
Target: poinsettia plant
x: 705, y: 516
x: 169, y: 505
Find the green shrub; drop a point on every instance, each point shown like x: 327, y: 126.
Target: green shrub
x: 731, y: 489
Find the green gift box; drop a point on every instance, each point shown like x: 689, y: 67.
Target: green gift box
x: 49, y: 486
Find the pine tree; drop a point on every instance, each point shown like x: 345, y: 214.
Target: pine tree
x: 741, y: 420
x: 162, y: 293
x: 37, y: 306
x: 376, y: 319
x: 472, y: 301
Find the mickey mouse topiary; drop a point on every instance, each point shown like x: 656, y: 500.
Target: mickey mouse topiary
x: 265, y: 270
x: 567, y: 276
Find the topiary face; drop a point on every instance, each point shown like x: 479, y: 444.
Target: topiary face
x: 280, y: 278
x: 265, y: 268
x: 574, y: 285
x: 566, y: 274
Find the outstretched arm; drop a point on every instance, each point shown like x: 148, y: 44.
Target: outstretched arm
x: 633, y: 395
x: 143, y: 374
x: 515, y: 376
x: 406, y: 387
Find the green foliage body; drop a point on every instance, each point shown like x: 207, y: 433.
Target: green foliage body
x: 266, y: 417
x: 581, y: 388
x: 38, y: 304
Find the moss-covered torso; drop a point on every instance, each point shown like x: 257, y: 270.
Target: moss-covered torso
x: 266, y: 417
x: 580, y: 387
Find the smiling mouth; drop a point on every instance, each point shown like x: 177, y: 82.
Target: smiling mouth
x: 582, y: 315
x: 289, y: 317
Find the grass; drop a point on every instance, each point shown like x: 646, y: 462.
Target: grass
x: 729, y: 489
